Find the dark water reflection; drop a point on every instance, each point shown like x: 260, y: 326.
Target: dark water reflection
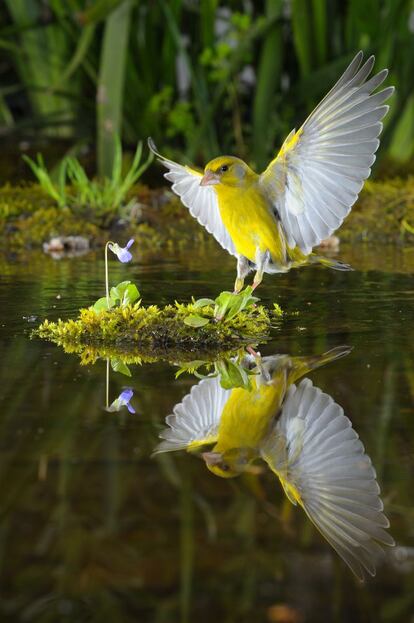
x: 92, y: 528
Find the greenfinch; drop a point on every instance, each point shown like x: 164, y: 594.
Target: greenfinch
x: 304, y: 438
x: 271, y: 221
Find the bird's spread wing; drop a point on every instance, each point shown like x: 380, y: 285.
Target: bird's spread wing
x: 194, y: 421
x: 317, y: 175
x: 322, y: 465
x: 201, y: 201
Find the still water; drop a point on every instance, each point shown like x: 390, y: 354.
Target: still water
x: 94, y: 529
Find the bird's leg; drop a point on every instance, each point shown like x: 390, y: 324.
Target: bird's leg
x: 258, y: 361
x: 262, y: 260
x: 242, y: 270
x: 252, y: 352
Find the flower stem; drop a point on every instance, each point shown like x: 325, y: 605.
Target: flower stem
x: 107, y: 273
x: 107, y: 382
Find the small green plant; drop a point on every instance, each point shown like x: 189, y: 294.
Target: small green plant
x: 226, y: 306
x: 119, y: 318
x: 125, y: 293
x: 72, y: 188
x: 233, y: 371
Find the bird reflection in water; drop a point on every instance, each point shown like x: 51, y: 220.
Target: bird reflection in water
x: 304, y: 438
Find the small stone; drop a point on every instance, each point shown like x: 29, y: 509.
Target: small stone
x: 60, y: 246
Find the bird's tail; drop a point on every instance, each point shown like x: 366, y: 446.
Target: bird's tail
x: 303, y: 365
x: 329, y: 263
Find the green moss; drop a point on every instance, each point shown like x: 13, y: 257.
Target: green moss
x: 49, y: 222
x: 384, y: 212
x: 29, y: 217
x: 158, y: 221
x: 151, y: 330
x: 22, y: 200
x: 138, y: 354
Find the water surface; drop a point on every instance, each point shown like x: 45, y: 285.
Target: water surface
x: 92, y: 528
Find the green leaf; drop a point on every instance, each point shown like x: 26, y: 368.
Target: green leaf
x: 112, y: 69
x: 102, y: 304
x: 203, y: 302
x: 229, y: 304
x: 118, y: 365
x: 117, y: 292
x: 222, y: 303
x: 190, y: 366
x: 232, y: 375
x: 195, y: 321
x: 242, y: 301
x: 126, y: 293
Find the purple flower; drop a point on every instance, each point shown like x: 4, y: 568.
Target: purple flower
x: 123, y: 400
x: 122, y: 253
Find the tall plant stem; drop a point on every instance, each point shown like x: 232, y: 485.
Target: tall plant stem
x: 107, y: 382
x: 107, y: 272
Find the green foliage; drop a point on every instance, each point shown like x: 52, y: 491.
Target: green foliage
x: 122, y: 295
x: 232, y: 370
x: 28, y: 217
x: 134, y: 325
x: 118, y: 365
x: 229, y: 304
x: 233, y: 374
x: 110, y: 93
x: 384, y: 212
x: 74, y: 189
x: 277, y: 310
x: 185, y: 79
x: 125, y: 293
x: 226, y: 306
x: 193, y: 320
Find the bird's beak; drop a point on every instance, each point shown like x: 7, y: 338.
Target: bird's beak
x: 209, y: 179
x: 212, y: 458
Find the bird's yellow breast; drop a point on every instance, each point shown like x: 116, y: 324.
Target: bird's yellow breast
x: 247, y: 415
x: 250, y: 222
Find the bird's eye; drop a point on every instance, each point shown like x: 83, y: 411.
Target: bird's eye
x: 224, y: 168
x: 225, y: 467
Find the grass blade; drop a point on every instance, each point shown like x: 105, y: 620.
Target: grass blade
x: 111, y: 85
x: 268, y: 78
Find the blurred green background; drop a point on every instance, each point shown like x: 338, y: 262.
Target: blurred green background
x: 202, y: 77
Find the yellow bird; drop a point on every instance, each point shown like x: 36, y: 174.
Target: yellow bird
x: 304, y: 438
x: 271, y: 221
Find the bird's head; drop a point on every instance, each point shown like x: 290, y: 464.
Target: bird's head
x: 230, y: 463
x: 226, y: 170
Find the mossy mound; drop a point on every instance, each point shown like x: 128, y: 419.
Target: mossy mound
x: 155, y: 219
x: 139, y: 354
x: 29, y: 217
x: 384, y: 212
x: 153, y: 331
x: 158, y: 221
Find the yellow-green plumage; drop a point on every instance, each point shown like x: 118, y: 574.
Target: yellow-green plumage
x: 246, y: 213
x: 248, y: 415
x: 303, y: 437
x: 271, y: 222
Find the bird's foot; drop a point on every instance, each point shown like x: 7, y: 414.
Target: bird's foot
x: 258, y: 361
x: 238, y: 285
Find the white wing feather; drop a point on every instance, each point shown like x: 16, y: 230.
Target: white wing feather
x: 318, y: 173
x: 323, y: 459
x: 201, y: 201
x: 196, y: 418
